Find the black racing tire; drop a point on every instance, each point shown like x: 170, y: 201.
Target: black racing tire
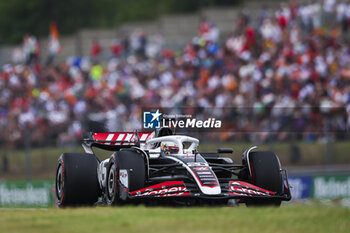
x: 130, y: 160
x: 112, y: 185
x: 76, y: 180
x: 266, y: 173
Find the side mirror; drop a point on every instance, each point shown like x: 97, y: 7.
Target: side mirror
x: 225, y: 150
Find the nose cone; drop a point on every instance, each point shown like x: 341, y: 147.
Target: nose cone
x: 210, y: 190
x: 206, y: 179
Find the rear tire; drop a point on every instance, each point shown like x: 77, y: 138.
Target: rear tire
x: 266, y: 174
x: 134, y: 163
x: 76, y: 180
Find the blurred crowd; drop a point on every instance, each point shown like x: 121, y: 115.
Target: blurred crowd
x: 285, y: 71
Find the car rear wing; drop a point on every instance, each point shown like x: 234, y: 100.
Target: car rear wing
x: 116, y: 140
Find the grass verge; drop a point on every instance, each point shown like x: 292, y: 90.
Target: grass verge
x: 141, y: 219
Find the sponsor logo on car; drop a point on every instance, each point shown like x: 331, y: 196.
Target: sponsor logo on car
x: 245, y: 191
x: 166, y: 191
x: 124, y: 178
x: 201, y: 168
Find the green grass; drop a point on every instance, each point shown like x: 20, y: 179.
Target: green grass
x: 141, y: 219
x: 44, y: 160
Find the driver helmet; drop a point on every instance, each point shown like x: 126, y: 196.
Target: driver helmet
x: 169, y: 147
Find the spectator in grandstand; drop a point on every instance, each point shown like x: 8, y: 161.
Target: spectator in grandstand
x: 341, y: 10
x: 116, y: 48
x: 155, y: 45
x: 263, y: 14
x: 95, y: 49
x: 31, y: 49
x: 283, y: 16
x: 283, y: 64
x: 305, y: 18
x: 53, y: 46
x: 125, y: 45
x: 315, y: 14
x: 18, y: 56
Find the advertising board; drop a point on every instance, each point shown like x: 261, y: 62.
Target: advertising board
x: 27, y: 194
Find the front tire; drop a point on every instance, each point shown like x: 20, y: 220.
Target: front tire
x: 132, y: 161
x: 76, y: 180
x: 265, y: 173
x: 112, y: 184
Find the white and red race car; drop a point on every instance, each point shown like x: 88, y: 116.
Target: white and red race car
x: 166, y: 169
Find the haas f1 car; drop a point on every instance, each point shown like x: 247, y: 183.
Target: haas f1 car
x: 166, y: 169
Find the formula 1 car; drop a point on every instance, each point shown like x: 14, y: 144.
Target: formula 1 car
x: 166, y: 169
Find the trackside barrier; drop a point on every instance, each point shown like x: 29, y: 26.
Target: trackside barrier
x: 320, y: 187
x: 27, y: 194
x: 331, y: 187
x: 301, y: 187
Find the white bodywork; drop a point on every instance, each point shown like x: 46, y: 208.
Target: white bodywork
x: 177, y: 139
x: 155, y: 152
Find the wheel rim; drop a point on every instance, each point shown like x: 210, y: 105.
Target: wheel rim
x: 111, y: 182
x: 59, y: 182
